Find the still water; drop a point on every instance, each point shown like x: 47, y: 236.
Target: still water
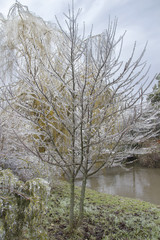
x: 136, y: 182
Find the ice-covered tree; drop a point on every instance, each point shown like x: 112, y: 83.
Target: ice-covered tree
x: 146, y: 129
x: 68, y: 92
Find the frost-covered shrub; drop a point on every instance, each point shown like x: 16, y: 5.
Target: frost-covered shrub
x: 22, y: 206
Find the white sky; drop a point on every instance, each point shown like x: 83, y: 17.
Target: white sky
x: 141, y: 19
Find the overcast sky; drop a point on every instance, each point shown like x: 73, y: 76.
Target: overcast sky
x: 141, y: 19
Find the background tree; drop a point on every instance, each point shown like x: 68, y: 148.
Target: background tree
x: 68, y: 92
x: 154, y: 97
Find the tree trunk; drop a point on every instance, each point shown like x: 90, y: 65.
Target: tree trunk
x: 72, y: 195
x: 81, y: 204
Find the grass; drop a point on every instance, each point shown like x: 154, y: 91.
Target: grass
x: 106, y: 217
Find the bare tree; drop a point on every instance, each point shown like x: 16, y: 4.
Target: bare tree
x: 69, y: 91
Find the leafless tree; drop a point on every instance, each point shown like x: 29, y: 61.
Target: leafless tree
x: 70, y: 92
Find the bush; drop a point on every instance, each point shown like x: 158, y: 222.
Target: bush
x: 22, y: 206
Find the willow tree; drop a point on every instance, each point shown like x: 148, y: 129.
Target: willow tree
x: 68, y: 90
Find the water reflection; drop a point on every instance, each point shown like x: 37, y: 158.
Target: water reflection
x: 141, y: 183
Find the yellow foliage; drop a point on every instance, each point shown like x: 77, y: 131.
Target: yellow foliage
x: 38, y: 48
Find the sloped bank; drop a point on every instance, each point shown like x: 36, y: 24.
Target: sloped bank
x: 152, y: 157
x: 106, y: 217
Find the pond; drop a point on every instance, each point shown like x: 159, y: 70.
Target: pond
x: 136, y: 182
